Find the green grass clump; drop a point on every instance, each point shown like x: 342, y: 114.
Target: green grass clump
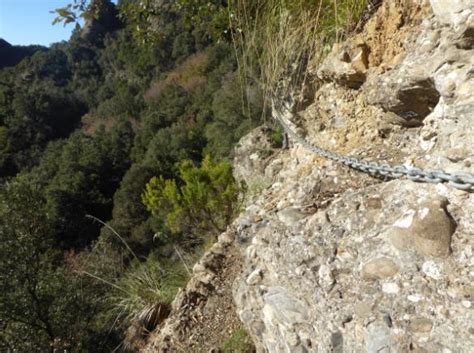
x: 147, y: 283
x: 276, y: 137
x: 239, y: 342
x: 143, y: 295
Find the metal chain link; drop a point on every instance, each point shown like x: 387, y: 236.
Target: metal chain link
x: 459, y: 180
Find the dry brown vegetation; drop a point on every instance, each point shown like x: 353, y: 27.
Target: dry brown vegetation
x: 190, y: 75
x: 277, y: 40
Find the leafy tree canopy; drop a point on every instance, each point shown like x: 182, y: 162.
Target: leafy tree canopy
x: 43, y: 305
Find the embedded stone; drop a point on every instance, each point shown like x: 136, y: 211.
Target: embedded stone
x: 399, y: 235
x: 428, y: 229
x: 421, y: 325
x: 379, y: 269
x: 378, y: 338
x: 291, y: 215
x: 199, y: 268
x: 227, y: 238
x: 255, y: 277
x: 280, y: 306
x: 374, y: 202
x: 346, y: 65
x: 363, y: 309
x: 431, y: 269
x: 326, y: 278
x: 432, y: 231
x: 390, y: 288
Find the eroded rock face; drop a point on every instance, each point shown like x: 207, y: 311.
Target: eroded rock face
x: 412, y: 100
x: 413, y: 87
x: 335, y: 261
x: 452, y: 12
x: 346, y: 65
x: 339, y: 281
x: 251, y: 157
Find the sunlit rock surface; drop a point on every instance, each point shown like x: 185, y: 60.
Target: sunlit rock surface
x: 341, y: 262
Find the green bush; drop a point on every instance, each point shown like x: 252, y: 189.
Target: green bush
x: 276, y: 137
x: 234, y: 113
x: 203, y: 200
x: 3, y: 144
x: 142, y: 297
x: 43, y: 304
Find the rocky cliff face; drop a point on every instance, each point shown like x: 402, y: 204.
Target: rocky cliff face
x: 337, y: 261
x: 334, y: 260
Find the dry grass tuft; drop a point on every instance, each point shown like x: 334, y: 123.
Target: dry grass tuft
x: 277, y: 40
x: 146, y: 321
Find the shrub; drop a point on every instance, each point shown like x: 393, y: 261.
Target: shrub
x: 233, y: 116
x: 43, y: 305
x: 276, y: 137
x: 202, y: 202
x: 142, y: 298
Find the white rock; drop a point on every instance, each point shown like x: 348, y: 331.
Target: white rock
x: 452, y: 11
x: 424, y: 212
x: 255, y: 277
x: 254, y: 156
x: 414, y: 298
x: 326, y: 278
x: 406, y: 220
x: 390, y: 288
x: 431, y: 269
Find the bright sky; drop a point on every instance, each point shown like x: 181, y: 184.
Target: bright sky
x: 24, y: 22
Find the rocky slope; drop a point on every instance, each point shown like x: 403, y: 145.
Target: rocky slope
x: 347, y: 263
x: 334, y: 260
x: 204, y: 314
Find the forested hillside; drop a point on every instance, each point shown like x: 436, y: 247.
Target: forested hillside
x: 115, y: 150
x: 144, y: 89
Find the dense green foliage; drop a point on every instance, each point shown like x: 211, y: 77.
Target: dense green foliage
x: 84, y: 126
x: 203, y: 203
x: 10, y: 55
x: 41, y: 304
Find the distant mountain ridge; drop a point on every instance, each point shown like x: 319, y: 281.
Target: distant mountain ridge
x: 10, y: 55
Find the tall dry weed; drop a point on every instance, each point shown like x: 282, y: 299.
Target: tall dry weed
x: 276, y: 41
